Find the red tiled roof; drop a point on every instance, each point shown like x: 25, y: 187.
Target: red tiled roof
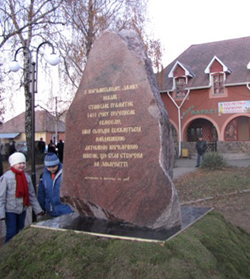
x: 234, y: 53
x: 44, y: 122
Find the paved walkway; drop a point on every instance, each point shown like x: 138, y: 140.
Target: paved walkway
x: 185, y: 165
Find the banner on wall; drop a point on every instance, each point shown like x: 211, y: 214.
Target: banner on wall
x: 234, y: 107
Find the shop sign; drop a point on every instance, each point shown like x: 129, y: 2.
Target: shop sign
x: 234, y: 107
x: 192, y: 111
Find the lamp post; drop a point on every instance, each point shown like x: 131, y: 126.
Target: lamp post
x: 32, y: 72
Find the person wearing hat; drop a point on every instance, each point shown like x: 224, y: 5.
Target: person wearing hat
x: 49, y: 187
x: 16, y: 195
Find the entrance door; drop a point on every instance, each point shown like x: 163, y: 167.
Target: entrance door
x: 206, y: 129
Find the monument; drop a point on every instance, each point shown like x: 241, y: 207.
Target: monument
x: 118, y: 155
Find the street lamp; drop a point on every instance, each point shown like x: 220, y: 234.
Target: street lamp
x: 14, y: 66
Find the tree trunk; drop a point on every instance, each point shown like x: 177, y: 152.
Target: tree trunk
x: 28, y: 102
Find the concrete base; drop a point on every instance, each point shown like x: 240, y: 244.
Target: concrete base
x: 122, y: 230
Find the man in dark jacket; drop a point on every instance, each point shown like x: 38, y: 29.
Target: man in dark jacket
x: 41, y: 146
x: 60, y: 147
x: 201, y: 147
x: 12, y: 148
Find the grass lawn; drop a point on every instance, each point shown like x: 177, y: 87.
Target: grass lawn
x: 212, y: 248
x: 212, y: 183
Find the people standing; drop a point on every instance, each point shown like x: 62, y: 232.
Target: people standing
x: 16, y: 195
x: 41, y: 146
x: 60, y: 147
x: 49, y: 187
x: 12, y: 148
x: 51, y: 147
x: 201, y: 147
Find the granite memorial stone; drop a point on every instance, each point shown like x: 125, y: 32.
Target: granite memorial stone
x: 118, y: 156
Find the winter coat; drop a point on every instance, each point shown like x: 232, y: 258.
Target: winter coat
x: 8, y: 200
x: 201, y: 147
x: 48, y: 194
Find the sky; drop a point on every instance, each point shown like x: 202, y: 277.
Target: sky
x: 182, y: 23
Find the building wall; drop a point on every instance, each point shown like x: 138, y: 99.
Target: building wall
x: 223, y: 147
x: 52, y: 136
x: 40, y: 135
x: 200, y: 105
x: 46, y: 137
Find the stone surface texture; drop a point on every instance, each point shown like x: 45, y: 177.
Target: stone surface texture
x: 118, y: 158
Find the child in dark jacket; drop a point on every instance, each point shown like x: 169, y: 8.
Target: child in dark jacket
x: 49, y: 187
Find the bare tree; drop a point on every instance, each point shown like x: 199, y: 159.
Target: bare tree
x: 24, y: 23
x: 72, y: 25
x: 2, y: 108
x: 86, y: 19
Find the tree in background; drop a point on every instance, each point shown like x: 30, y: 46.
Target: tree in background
x: 72, y: 26
x: 2, y: 108
x: 24, y: 24
x: 87, y: 19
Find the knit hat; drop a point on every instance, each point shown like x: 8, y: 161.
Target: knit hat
x: 51, y: 160
x: 16, y: 158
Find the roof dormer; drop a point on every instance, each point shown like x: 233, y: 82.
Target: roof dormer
x: 180, y: 75
x: 216, y: 65
x: 179, y: 68
x: 217, y: 72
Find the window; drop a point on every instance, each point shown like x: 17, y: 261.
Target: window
x: 218, y: 84
x: 180, y: 87
x: 231, y: 131
x: 238, y: 129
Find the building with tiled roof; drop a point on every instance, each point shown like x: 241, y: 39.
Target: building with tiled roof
x: 206, y: 90
x: 46, y: 127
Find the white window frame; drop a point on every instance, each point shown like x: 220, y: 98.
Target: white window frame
x: 175, y: 83
x: 213, y: 83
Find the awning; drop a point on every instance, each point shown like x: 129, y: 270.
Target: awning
x: 9, y: 135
